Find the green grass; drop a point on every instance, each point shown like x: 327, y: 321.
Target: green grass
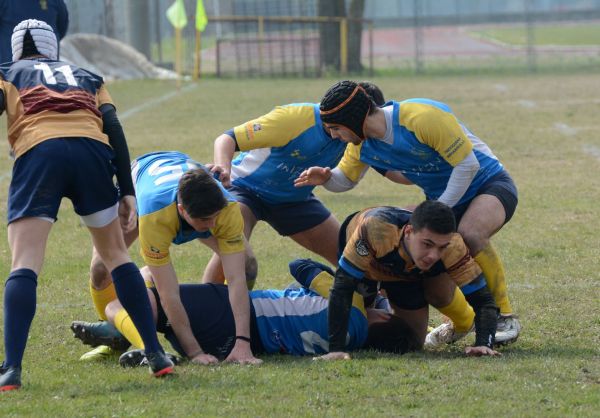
x: 581, y: 34
x: 550, y: 251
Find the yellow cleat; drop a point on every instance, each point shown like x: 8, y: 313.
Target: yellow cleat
x: 100, y: 353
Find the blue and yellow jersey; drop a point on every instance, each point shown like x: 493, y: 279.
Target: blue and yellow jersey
x: 374, y: 250
x: 156, y: 177
x: 48, y: 99
x: 428, y: 142
x: 294, y: 321
x: 277, y: 147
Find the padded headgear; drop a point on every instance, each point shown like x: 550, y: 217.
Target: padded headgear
x: 346, y: 104
x: 44, y: 39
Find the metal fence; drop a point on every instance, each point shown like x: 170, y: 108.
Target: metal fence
x: 421, y: 36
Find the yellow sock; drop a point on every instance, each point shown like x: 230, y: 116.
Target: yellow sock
x: 102, y: 297
x: 125, y: 326
x: 493, y: 270
x: 460, y: 312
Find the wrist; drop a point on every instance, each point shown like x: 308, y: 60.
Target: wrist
x: 195, y: 354
x: 243, y: 338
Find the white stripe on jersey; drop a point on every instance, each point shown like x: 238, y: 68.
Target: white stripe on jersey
x: 286, y: 306
x: 251, y: 162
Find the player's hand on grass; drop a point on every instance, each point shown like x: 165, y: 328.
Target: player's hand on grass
x: 336, y: 355
x: 220, y: 173
x: 314, y: 176
x: 204, y: 359
x: 242, y: 354
x: 481, y: 350
x: 127, y: 213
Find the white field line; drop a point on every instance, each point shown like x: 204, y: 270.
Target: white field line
x: 134, y: 111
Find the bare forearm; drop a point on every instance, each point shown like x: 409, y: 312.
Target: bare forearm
x: 240, y: 305
x: 224, y: 150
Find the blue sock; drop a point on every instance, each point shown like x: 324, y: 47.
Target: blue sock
x: 19, y: 309
x: 131, y: 292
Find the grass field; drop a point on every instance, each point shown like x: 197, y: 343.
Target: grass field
x: 580, y: 34
x: 545, y: 130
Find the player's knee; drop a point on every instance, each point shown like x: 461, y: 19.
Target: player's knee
x: 474, y: 239
x: 251, y: 271
x: 99, y: 274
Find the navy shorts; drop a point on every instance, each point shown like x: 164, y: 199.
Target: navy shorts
x: 286, y: 218
x: 77, y: 168
x: 503, y: 187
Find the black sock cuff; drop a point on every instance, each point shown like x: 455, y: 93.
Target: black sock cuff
x: 24, y: 274
x: 124, y: 270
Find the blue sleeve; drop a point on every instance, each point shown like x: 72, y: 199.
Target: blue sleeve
x: 474, y: 286
x: 304, y: 270
x: 62, y: 20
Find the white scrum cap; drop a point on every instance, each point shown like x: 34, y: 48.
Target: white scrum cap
x: 43, y: 37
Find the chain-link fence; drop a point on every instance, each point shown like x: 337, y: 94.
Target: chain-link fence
x: 286, y: 37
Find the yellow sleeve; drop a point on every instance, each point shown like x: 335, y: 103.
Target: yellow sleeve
x: 350, y: 163
x: 103, y: 97
x: 276, y: 128
x: 438, y: 129
x: 322, y: 285
x: 157, y: 230
x: 459, y: 264
x: 229, y: 229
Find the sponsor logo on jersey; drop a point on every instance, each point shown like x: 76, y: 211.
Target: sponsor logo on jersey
x: 362, y: 248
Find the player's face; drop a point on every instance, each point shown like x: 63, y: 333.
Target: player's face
x: 200, y: 224
x: 425, y: 247
x: 342, y: 133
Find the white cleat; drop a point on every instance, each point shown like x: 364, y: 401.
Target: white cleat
x: 508, y: 329
x: 444, y: 334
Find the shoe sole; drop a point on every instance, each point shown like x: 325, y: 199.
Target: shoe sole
x: 164, y: 372
x: 9, y: 387
x: 87, y: 338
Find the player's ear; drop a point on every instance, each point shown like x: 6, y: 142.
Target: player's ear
x: 180, y: 209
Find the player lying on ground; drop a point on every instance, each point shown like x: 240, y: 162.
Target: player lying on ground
x: 291, y: 321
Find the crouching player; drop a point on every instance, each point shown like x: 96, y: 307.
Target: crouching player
x: 419, y: 260
x: 62, y: 129
x: 291, y: 321
x: 179, y: 201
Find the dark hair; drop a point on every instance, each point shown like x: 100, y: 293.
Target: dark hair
x: 374, y: 93
x: 392, y: 336
x: 346, y: 103
x: 29, y: 48
x: 199, y: 194
x: 435, y: 216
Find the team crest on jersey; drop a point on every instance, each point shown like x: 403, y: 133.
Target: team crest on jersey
x: 256, y: 127
x: 362, y: 248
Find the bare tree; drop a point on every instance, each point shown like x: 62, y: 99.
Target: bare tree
x: 330, y: 33
x: 356, y: 11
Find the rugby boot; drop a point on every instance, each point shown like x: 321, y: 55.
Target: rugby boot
x: 99, y: 333
x: 10, y: 378
x: 508, y: 329
x: 444, y: 334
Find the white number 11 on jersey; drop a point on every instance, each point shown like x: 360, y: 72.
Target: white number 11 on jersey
x: 65, y: 70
